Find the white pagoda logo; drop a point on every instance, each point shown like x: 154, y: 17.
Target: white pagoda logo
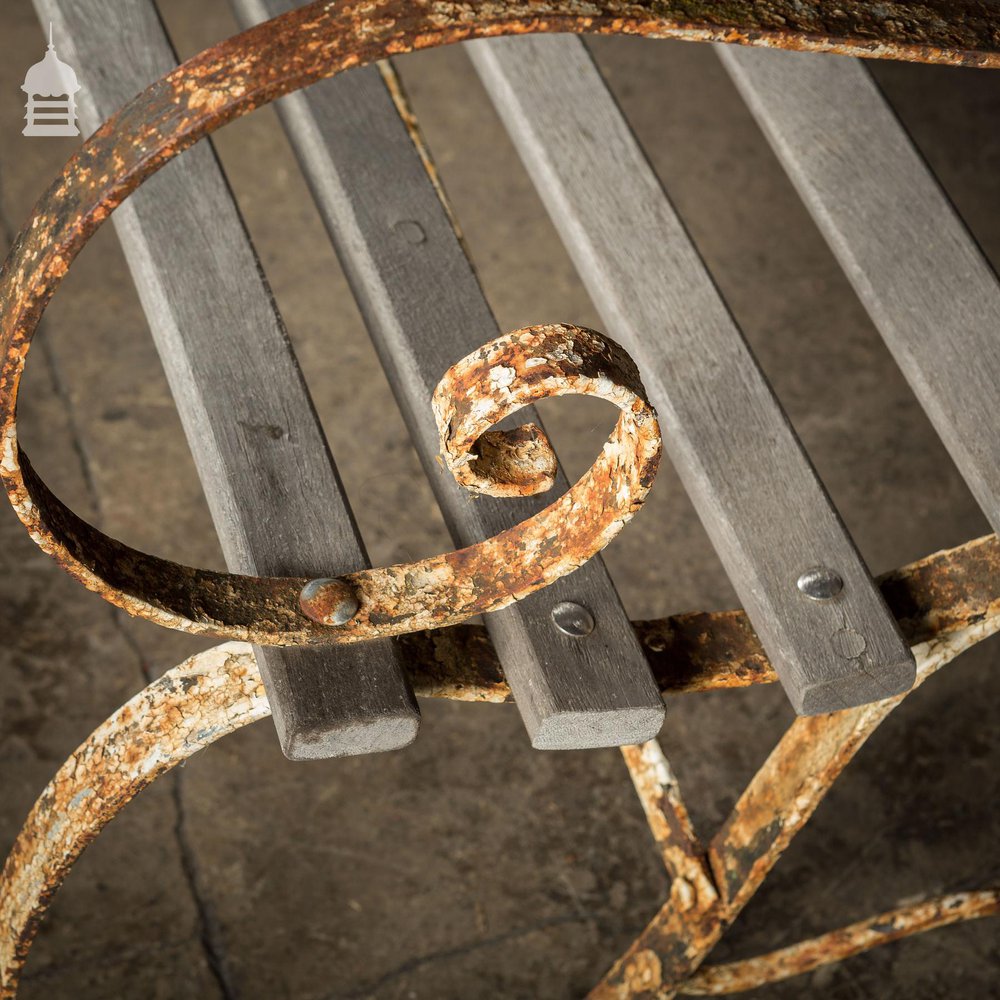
x: 51, y: 85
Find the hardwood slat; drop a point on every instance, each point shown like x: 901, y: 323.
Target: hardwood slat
x: 424, y: 309
x: 765, y: 509
x: 271, y: 484
x: 927, y: 286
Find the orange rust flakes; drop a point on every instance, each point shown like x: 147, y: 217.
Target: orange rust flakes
x: 188, y: 708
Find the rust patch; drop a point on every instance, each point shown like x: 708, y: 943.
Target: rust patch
x: 478, y: 392
x: 797, y: 959
x: 940, y: 595
x: 220, y: 690
x: 785, y: 792
x: 188, y: 708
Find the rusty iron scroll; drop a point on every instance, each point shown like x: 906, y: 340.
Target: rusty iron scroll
x: 945, y: 604
x: 272, y: 59
x: 489, y: 385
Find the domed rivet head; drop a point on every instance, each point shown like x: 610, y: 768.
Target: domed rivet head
x: 820, y: 583
x: 573, y: 619
x: 410, y: 231
x: 329, y: 601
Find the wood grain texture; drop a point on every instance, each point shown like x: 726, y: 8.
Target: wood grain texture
x: 270, y: 481
x: 915, y: 267
x: 425, y: 310
x: 754, y: 488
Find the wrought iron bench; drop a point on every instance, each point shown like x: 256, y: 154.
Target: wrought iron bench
x: 846, y: 648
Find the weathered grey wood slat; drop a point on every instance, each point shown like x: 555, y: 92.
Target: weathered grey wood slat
x: 425, y: 310
x: 918, y: 272
x: 752, y: 484
x: 271, y: 484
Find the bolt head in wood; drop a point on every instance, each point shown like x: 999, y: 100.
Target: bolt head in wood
x: 573, y: 619
x: 820, y: 583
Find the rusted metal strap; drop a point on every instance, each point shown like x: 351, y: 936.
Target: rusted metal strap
x: 942, y: 594
x: 476, y: 393
x: 928, y: 915
x: 692, y: 885
x: 778, y: 802
x: 188, y: 708
x: 944, y: 603
x: 295, y: 49
x: 800, y: 771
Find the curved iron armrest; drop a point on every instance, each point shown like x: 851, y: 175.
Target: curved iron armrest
x: 944, y: 605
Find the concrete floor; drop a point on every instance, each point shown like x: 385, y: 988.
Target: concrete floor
x: 469, y: 865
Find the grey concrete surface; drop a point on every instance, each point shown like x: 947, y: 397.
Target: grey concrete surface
x: 468, y: 865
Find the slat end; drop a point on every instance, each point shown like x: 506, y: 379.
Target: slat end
x: 591, y: 730
x: 317, y: 740
x: 862, y: 686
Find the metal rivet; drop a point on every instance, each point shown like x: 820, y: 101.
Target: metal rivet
x: 329, y: 601
x: 573, y: 619
x: 656, y: 643
x: 820, y: 583
x: 411, y: 231
x: 848, y: 644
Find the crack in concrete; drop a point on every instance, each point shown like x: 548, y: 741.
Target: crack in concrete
x: 447, y: 954
x: 211, y: 932
x: 63, y: 396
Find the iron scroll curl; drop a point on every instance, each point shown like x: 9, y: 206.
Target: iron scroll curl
x: 312, y: 42
x: 492, y: 383
x: 223, y: 83
x: 945, y: 603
